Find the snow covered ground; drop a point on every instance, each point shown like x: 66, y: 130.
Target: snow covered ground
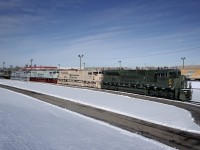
x: 196, y: 91
x: 195, y: 84
x: 27, y: 123
x: 146, y: 110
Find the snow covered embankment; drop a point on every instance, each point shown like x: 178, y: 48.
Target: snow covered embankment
x: 27, y: 123
x: 150, y: 111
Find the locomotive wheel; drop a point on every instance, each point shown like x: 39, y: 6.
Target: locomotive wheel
x: 151, y: 93
x: 159, y: 94
x: 166, y: 94
x: 147, y: 93
x: 171, y: 95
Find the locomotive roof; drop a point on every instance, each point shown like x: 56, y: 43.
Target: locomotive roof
x: 157, y: 70
x: 167, y: 70
x: 40, y: 67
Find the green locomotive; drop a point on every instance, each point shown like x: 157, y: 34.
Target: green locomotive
x: 167, y: 83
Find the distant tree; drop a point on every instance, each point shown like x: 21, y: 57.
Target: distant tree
x: 17, y: 68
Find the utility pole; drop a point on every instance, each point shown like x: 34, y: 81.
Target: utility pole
x: 80, y: 56
x: 183, y: 61
x: 120, y: 64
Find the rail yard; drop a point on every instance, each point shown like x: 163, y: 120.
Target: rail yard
x: 100, y: 75
x: 166, y: 86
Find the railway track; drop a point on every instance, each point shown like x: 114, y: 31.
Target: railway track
x: 192, y: 106
x: 169, y: 136
x: 195, y: 103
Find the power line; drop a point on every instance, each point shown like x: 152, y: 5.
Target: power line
x: 162, y: 53
x: 117, y: 58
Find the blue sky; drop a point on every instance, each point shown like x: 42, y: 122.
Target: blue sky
x: 135, y: 32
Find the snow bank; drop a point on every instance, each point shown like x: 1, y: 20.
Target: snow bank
x: 195, y: 84
x: 26, y: 123
x: 150, y: 111
x: 196, y: 91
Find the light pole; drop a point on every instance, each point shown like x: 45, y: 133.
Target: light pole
x: 31, y: 63
x: 80, y: 60
x: 120, y: 64
x: 3, y: 65
x: 31, y: 67
x: 84, y: 65
x: 183, y: 61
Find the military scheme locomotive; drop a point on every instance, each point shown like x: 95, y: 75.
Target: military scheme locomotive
x: 168, y: 83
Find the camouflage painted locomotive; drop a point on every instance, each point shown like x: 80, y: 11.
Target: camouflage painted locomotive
x: 167, y: 83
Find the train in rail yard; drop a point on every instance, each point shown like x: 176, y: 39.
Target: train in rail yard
x: 167, y: 83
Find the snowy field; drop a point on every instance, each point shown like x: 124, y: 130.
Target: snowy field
x: 196, y: 91
x: 29, y: 124
x: 150, y: 111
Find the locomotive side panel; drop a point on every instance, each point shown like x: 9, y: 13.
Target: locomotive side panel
x: 71, y: 77
x: 89, y: 78
x: 166, y: 83
x: 20, y: 75
x: 49, y: 76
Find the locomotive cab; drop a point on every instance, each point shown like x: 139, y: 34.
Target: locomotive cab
x: 166, y: 78
x: 183, y: 89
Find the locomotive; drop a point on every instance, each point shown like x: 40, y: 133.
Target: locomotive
x: 89, y: 78
x: 167, y: 83
x: 5, y: 74
x: 36, y: 74
x: 20, y: 75
x: 49, y: 76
